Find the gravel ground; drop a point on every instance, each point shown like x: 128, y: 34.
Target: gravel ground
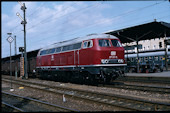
x: 73, y: 103
x: 82, y: 105
x: 138, y: 94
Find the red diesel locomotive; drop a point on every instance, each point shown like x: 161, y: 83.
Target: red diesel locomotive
x: 94, y: 58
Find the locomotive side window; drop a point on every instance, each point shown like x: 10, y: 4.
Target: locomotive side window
x: 77, y: 46
x: 71, y: 47
x: 58, y: 49
x: 65, y: 48
x: 51, y: 50
x: 47, y: 51
x: 88, y: 44
x: 43, y: 52
x: 116, y: 43
x: 104, y: 43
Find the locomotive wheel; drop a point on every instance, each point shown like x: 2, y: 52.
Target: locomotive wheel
x: 161, y: 70
x: 42, y: 75
x: 90, y: 79
x: 147, y: 71
x: 155, y: 70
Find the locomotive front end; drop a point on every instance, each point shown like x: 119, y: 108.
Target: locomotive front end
x: 111, y: 56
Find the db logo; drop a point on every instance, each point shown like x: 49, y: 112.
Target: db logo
x: 113, y: 53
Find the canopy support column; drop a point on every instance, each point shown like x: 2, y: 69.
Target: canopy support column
x: 137, y: 55
x: 166, y: 51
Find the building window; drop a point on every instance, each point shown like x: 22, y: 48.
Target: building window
x: 154, y: 47
x: 160, y: 44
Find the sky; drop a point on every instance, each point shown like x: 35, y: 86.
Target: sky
x: 49, y: 22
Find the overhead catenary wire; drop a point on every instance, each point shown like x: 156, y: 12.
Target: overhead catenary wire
x: 123, y: 14
x: 61, y: 16
x: 35, y: 17
x: 51, y: 29
x: 29, y: 16
x: 96, y: 22
x: 41, y: 21
x: 78, y: 29
x: 80, y: 34
x: 38, y: 8
x: 57, y: 17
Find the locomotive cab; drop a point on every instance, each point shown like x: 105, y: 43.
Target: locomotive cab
x: 110, y: 55
x: 111, y: 51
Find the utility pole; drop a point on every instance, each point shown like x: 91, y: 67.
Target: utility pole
x: 15, y: 55
x: 15, y: 45
x: 137, y: 42
x: 23, y: 7
x: 166, y: 54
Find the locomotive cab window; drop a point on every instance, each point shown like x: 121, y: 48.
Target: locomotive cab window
x: 116, y: 43
x: 104, y: 43
x: 88, y: 44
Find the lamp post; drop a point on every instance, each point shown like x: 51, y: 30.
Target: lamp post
x: 23, y: 7
x: 10, y: 40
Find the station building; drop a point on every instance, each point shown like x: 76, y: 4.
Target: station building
x: 146, y: 45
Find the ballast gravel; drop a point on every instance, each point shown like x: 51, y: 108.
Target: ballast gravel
x: 78, y: 104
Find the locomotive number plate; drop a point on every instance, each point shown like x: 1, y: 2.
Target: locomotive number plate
x: 113, y: 54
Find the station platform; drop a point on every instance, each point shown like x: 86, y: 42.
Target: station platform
x: 157, y: 74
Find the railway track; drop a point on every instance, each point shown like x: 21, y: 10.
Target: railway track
x: 10, y: 108
x: 153, y: 80
x: 25, y: 104
x: 148, y: 88
x: 122, y: 102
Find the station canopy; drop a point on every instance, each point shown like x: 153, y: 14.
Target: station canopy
x: 145, y: 31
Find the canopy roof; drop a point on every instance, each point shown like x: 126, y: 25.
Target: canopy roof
x: 142, y: 32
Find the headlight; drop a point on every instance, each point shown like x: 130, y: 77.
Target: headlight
x: 120, y: 60
x: 104, y: 61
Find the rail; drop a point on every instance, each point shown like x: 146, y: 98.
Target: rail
x: 36, y: 103
x: 124, y: 102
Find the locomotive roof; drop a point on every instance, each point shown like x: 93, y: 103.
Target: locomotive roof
x: 79, y: 39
